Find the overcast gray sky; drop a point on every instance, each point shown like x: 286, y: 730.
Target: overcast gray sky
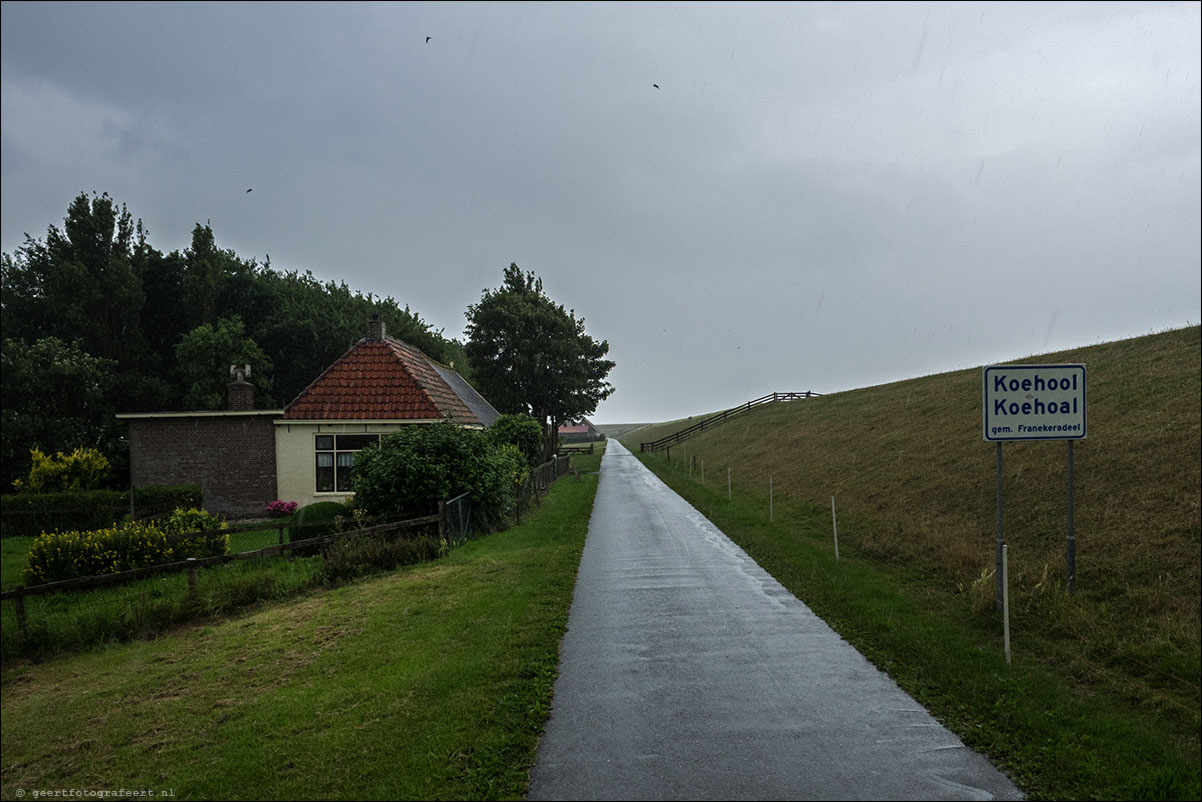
x: 816, y: 196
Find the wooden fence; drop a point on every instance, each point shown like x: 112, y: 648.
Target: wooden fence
x: 540, y: 480
x: 722, y: 417
x: 190, y: 565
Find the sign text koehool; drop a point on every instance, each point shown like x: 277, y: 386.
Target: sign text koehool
x: 1034, y: 402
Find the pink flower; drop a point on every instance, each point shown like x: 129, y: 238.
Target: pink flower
x: 281, y: 509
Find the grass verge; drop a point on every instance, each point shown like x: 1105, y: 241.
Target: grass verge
x: 432, y: 682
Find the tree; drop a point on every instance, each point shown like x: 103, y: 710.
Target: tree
x: 530, y: 355
x: 203, y: 358
x: 80, y: 284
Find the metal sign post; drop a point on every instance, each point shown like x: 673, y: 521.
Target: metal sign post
x: 1001, y: 540
x: 1035, y: 402
x: 1070, y: 543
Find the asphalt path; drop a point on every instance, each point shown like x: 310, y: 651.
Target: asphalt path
x: 687, y: 672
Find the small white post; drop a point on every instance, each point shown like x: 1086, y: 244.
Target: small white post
x: 771, y: 516
x: 1006, y: 600
x: 835, y: 526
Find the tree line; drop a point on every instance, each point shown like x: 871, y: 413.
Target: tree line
x: 94, y: 320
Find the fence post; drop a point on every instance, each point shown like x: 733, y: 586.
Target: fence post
x: 835, y: 526
x: 442, y: 520
x: 192, y: 577
x: 280, y: 532
x: 19, y: 601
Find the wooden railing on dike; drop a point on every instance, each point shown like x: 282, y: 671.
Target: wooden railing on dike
x: 723, y: 417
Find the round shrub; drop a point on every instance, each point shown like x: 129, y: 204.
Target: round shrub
x: 408, y: 472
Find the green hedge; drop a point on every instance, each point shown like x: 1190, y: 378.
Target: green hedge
x: 31, y: 514
x: 55, y: 556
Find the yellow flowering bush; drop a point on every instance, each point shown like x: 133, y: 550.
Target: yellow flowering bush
x: 197, y: 520
x: 55, y: 556
x: 82, y: 469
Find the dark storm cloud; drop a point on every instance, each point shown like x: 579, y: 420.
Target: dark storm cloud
x: 814, y: 197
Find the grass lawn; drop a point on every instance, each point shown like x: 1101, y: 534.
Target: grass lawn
x: 432, y: 682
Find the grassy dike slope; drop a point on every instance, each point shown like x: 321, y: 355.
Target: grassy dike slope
x: 1102, y: 700
x: 432, y: 682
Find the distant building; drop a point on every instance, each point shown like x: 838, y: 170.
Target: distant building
x: 581, y: 431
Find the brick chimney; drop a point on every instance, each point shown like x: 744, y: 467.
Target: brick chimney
x: 240, y: 393
x: 375, y: 328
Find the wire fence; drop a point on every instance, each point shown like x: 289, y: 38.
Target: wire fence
x: 458, y: 516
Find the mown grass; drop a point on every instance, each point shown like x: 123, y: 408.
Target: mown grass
x: 432, y: 682
x: 1103, y: 699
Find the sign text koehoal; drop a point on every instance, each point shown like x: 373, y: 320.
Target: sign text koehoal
x: 1034, y: 402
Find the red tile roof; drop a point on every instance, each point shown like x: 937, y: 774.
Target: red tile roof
x: 381, y: 380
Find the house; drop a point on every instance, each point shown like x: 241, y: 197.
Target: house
x: 245, y: 458
x: 581, y: 431
x: 375, y: 388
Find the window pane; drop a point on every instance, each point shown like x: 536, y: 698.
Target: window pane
x: 325, y: 442
x: 345, y: 462
x: 354, y: 442
x: 325, y: 472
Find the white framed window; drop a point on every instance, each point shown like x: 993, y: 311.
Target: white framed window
x: 335, y: 459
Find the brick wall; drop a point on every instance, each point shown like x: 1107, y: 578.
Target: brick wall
x: 232, y: 457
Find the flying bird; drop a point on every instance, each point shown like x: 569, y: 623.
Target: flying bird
x: 427, y: 40
x: 656, y: 86
x: 250, y: 189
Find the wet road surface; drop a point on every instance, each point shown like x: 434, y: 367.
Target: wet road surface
x: 688, y: 672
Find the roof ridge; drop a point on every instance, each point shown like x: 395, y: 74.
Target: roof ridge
x: 359, y: 386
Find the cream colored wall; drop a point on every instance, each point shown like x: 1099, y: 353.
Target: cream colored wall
x: 296, y: 466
